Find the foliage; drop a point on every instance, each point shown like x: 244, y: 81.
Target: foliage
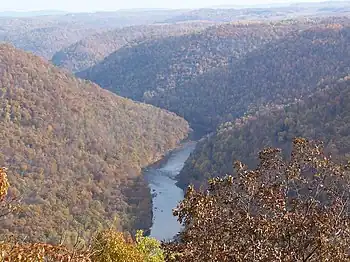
x: 4, y: 184
x: 262, y: 12
x: 278, y: 72
x: 226, y: 70
x: 111, y: 246
x: 39, y: 252
x: 165, y: 63
x: 296, y: 210
x: 46, y: 35
x: 323, y: 115
x: 149, y: 247
x: 11, y: 251
x: 75, y: 152
x: 7, y: 205
x: 47, y: 40
x: 107, y: 246
x: 93, y: 49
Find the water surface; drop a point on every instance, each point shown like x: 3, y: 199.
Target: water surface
x: 167, y: 195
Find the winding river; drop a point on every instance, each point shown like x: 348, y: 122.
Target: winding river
x: 166, y: 195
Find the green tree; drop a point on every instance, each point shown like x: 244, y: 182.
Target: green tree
x: 150, y: 247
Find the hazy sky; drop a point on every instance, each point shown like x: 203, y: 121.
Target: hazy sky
x: 95, y: 5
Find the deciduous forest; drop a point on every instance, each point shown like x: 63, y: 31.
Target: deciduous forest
x: 95, y: 48
x: 94, y: 105
x: 74, y: 151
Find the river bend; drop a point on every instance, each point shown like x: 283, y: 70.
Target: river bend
x: 166, y: 195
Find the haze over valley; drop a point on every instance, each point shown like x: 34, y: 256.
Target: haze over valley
x: 197, y: 132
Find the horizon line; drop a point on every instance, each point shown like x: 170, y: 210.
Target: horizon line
x: 237, y: 6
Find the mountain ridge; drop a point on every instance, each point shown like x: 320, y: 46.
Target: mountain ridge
x: 198, y: 79
x: 94, y: 48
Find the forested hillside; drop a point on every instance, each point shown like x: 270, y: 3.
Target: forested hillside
x: 278, y: 72
x: 323, y: 115
x: 93, y: 49
x: 219, y: 74
x: 46, y: 35
x: 260, y: 87
x: 263, y: 12
x: 157, y: 66
x: 46, y: 41
x: 75, y: 151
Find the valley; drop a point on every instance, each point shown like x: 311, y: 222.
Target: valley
x: 211, y: 134
x: 71, y: 146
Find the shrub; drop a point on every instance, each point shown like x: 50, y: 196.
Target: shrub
x: 295, y: 210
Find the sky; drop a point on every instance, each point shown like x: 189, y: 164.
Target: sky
x: 112, y: 5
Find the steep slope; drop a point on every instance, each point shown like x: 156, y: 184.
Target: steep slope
x: 46, y: 41
x: 75, y: 151
x: 93, y: 49
x: 218, y: 74
x: 278, y: 72
x: 153, y: 69
x: 164, y: 64
x: 44, y: 35
x: 324, y: 115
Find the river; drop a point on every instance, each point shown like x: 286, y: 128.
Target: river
x: 166, y: 195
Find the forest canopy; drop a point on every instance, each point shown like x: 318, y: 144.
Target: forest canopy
x: 75, y: 151
x: 323, y: 115
x: 219, y: 74
x: 93, y: 49
x: 294, y: 210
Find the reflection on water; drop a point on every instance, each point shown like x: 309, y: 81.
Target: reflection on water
x: 166, y: 194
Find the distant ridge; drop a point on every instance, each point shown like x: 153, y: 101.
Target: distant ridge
x: 286, y: 4
x: 32, y: 13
